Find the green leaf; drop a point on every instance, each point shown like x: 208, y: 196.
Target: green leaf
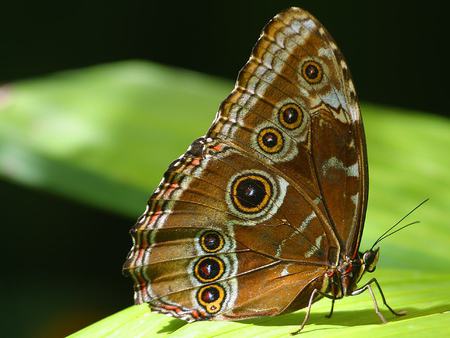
x: 423, y: 296
x: 105, y: 135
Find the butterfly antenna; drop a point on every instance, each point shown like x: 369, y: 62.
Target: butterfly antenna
x: 387, y: 233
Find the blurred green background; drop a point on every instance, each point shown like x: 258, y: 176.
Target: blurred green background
x: 82, y: 149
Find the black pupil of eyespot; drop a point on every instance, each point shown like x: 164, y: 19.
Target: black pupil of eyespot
x: 251, y: 192
x: 290, y: 115
x: 270, y: 139
x: 208, y: 268
x: 311, y: 71
x: 212, y: 241
x: 210, y: 295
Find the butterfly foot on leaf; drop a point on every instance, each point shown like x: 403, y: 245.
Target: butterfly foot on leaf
x: 383, y: 320
x: 332, y: 309
x: 296, y: 332
x: 300, y: 329
x: 397, y: 313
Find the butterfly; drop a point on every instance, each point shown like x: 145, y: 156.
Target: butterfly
x: 264, y: 214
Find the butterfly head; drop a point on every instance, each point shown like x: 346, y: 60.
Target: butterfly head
x: 370, y: 259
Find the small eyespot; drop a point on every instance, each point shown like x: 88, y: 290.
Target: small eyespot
x: 211, y: 297
x: 211, y: 241
x: 270, y: 140
x: 208, y: 269
x: 290, y: 116
x: 312, y: 72
x: 251, y: 193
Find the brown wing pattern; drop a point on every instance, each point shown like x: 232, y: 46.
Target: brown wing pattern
x: 194, y: 251
x: 325, y: 156
x: 252, y: 215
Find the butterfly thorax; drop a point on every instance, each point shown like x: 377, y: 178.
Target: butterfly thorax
x: 342, y: 280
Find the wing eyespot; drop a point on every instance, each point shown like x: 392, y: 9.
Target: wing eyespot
x: 211, y: 297
x: 209, y: 269
x: 290, y: 116
x: 312, y: 72
x: 270, y: 140
x: 212, y: 241
x: 250, y: 193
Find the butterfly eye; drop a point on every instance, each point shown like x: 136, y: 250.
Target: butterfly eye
x: 312, y: 72
x: 370, y: 259
x: 209, y: 269
x: 211, y: 297
x: 251, y: 193
x: 212, y: 241
x: 290, y: 116
x: 270, y: 140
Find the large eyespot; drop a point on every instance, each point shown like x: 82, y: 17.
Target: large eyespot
x: 290, y: 116
x: 208, y: 269
x: 270, y: 140
x: 211, y: 241
x: 250, y: 193
x: 254, y: 196
x: 312, y: 72
x: 211, y: 297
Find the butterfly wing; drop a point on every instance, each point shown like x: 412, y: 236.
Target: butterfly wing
x: 250, y: 218
x: 203, y: 249
x: 296, y: 89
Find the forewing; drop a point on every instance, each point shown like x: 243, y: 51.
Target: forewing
x: 322, y: 153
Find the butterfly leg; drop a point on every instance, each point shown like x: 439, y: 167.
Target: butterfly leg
x: 375, y: 304
x: 308, y: 310
x: 399, y: 313
x: 332, y: 308
x: 368, y: 287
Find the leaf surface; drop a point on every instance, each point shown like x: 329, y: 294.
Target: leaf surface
x: 104, y: 136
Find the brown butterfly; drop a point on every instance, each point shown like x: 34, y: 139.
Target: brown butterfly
x: 264, y: 214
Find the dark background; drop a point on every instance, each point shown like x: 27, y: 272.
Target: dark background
x: 397, y: 50
x: 55, y: 282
